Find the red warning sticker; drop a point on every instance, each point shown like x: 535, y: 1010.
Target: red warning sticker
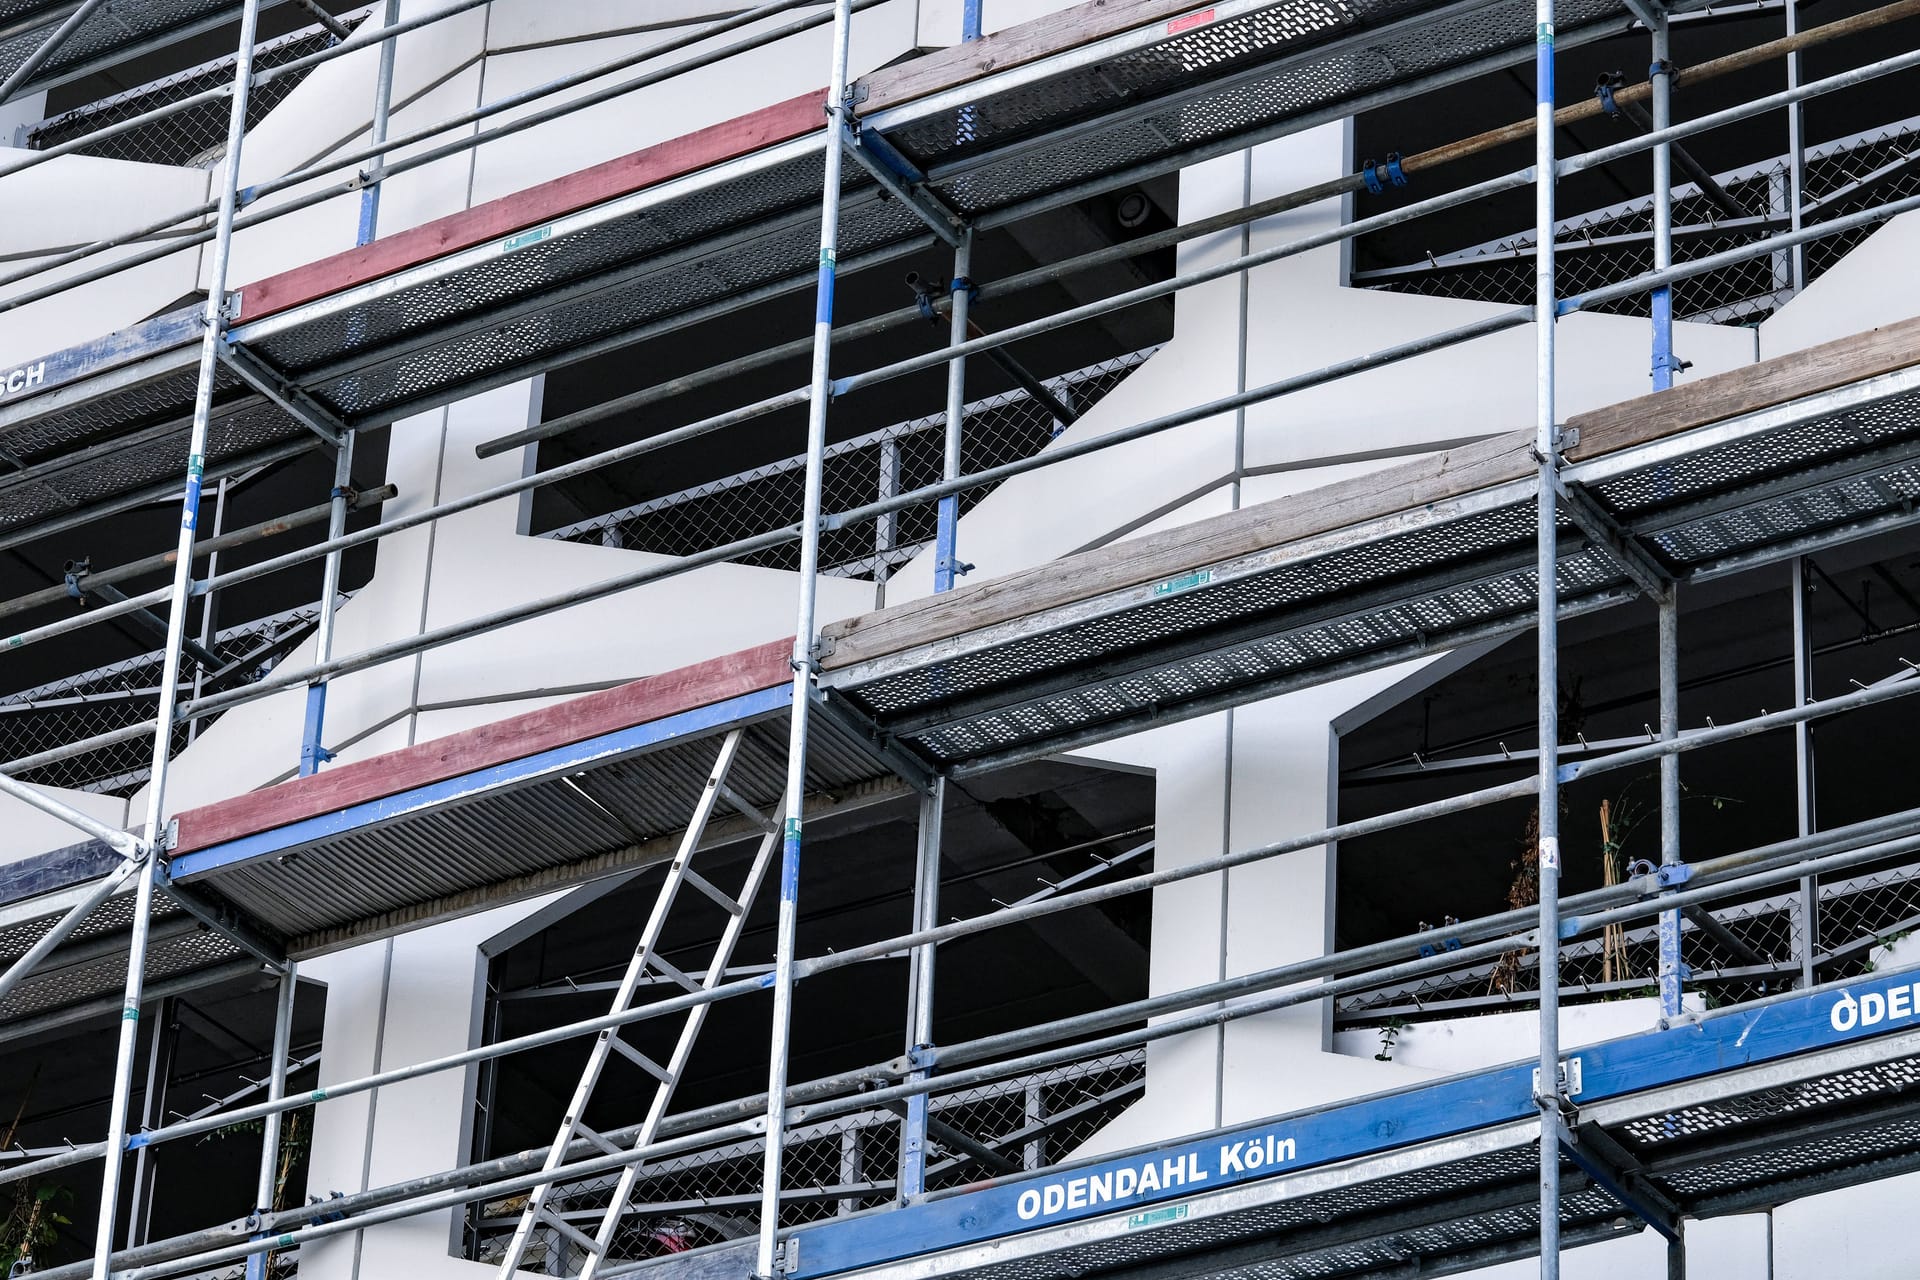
x: 1189, y: 22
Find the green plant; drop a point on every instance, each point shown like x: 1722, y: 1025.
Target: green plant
x: 34, y: 1217
x: 1389, y: 1033
x: 34, y: 1213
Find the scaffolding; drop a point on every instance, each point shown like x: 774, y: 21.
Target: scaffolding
x: 1744, y: 1107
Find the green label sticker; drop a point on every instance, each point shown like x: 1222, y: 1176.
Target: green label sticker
x: 1156, y: 1217
x: 526, y: 238
x: 1185, y: 582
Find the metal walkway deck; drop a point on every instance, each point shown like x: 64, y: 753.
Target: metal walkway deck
x: 538, y: 802
x: 1737, y: 470
x: 1730, y: 1113
x: 1087, y: 99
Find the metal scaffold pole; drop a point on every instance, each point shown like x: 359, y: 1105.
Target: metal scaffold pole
x: 215, y: 321
x: 313, y: 751
x: 1665, y: 364
x: 920, y: 961
x: 263, y: 1202
x: 1546, y: 450
x: 946, y: 563
x: 1672, y: 967
x: 1807, y: 904
x: 1660, y: 77
x: 821, y: 394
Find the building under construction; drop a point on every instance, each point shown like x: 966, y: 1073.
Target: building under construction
x: 878, y: 639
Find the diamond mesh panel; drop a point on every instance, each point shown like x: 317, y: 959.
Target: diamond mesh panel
x: 111, y: 27
x: 830, y: 1169
x: 996, y: 430
x: 113, y: 697
x: 196, y: 136
x: 1603, y: 246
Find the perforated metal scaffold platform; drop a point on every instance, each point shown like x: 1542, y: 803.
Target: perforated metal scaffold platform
x: 1088, y: 99
x: 1409, y: 560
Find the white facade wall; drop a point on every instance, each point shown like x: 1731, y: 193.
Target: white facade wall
x: 1224, y: 782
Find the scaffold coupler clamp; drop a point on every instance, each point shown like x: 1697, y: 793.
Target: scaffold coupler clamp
x: 1603, y: 90
x: 1670, y: 362
x: 1566, y: 1084
x: 954, y: 565
x: 76, y: 578
x: 928, y: 293
x: 1667, y: 875
x: 965, y: 284
x: 328, y: 1198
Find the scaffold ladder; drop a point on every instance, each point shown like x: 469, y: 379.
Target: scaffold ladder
x: 647, y: 963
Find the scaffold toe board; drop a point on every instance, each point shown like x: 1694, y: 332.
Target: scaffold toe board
x: 1729, y: 1112
x: 1731, y: 471
x: 537, y: 802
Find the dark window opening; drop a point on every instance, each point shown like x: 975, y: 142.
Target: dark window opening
x: 106, y: 676
x: 748, y: 478
x: 1860, y: 145
x: 1474, y: 727
x: 211, y: 1043
x: 1006, y: 837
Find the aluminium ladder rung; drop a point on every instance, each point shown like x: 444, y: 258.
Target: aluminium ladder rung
x: 567, y: 1229
x: 644, y: 954
x: 638, y: 1059
x: 746, y: 809
x: 668, y: 969
x: 726, y: 901
x: 607, y: 1145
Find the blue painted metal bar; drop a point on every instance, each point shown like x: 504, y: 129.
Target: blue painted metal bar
x: 585, y: 754
x: 1176, y: 1173
x: 42, y: 374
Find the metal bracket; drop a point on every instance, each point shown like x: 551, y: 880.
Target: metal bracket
x: 275, y: 386
x: 80, y: 589
x: 908, y: 767
x: 953, y: 565
x: 903, y: 181
x: 1617, y: 1173
x: 1649, y: 12
x: 1643, y: 569
x: 1569, y: 1084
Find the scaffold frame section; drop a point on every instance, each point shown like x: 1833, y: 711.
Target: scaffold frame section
x: 1074, y: 1217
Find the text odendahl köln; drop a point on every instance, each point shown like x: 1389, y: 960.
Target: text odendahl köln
x: 1154, y: 1175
